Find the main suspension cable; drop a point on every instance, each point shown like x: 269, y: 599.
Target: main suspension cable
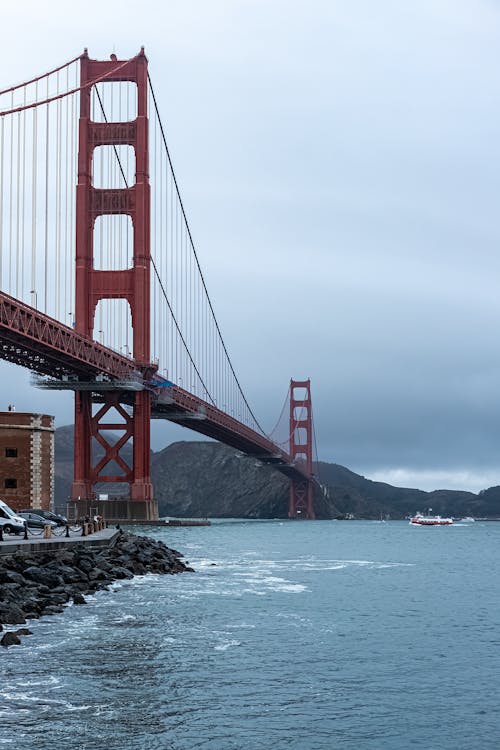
x: 54, y: 98
x: 197, y: 261
x: 39, y: 78
x: 278, y: 422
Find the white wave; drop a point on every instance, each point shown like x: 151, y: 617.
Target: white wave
x: 125, y: 618
x: 115, y: 586
x: 290, y: 588
x: 261, y: 569
x: 51, y: 680
x: 226, y: 644
x: 151, y: 579
x: 294, y: 616
x: 358, y: 562
x: 24, y: 701
x: 259, y: 575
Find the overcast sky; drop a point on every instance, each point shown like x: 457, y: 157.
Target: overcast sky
x: 339, y: 162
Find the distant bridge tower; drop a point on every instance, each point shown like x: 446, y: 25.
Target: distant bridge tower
x: 301, y: 449
x: 131, y: 284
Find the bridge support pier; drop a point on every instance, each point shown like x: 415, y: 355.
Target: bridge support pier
x: 301, y: 448
x: 124, y: 444
x: 116, y: 510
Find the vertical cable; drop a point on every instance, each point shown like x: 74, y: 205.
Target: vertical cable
x: 66, y: 193
x: 2, y: 143
x: 57, y: 185
x: 23, y: 191
x: 152, y: 170
x: 18, y: 200
x: 34, y: 193
x: 10, y: 193
x: 74, y: 170
x: 46, y: 226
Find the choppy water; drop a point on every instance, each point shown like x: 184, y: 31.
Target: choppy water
x: 291, y: 635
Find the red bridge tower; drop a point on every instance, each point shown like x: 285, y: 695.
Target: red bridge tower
x: 301, y: 449
x: 131, y: 284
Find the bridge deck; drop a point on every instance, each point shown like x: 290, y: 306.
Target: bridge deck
x: 184, y: 408
x: 48, y: 347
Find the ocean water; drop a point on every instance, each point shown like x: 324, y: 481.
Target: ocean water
x: 290, y: 636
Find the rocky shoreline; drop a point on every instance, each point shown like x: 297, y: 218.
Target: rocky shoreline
x: 35, y: 585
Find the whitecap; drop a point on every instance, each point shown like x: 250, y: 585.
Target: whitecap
x: 71, y: 707
x: 125, y: 618
x: 290, y: 588
x: 51, y: 680
x: 358, y: 562
x: 238, y: 625
x: 226, y: 644
x: 260, y: 577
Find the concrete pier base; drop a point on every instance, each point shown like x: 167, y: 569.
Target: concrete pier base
x: 115, y: 510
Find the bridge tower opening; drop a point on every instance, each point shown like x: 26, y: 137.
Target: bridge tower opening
x: 301, y: 449
x: 120, y: 409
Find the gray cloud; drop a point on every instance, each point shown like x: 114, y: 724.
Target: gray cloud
x: 339, y: 163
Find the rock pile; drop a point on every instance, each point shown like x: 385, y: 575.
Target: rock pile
x: 32, y: 586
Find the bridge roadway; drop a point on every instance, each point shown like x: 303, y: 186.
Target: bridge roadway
x: 72, y: 362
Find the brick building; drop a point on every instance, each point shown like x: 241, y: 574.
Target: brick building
x: 26, y: 459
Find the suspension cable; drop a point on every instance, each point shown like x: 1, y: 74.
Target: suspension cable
x: 87, y: 85
x: 287, y: 396
x: 41, y: 77
x: 197, y: 261
x: 124, y: 177
x: 316, y: 449
x: 180, y: 333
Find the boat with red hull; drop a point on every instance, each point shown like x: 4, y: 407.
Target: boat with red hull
x: 420, y: 520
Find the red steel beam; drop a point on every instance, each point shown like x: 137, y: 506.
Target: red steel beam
x: 45, y: 345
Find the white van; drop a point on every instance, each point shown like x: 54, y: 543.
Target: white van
x: 10, y: 523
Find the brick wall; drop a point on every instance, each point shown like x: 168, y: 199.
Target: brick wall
x: 26, y: 460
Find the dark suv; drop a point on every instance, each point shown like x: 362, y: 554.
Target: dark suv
x: 48, y: 515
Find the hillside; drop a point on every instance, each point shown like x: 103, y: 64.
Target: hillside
x: 365, y: 498
x: 207, y: 479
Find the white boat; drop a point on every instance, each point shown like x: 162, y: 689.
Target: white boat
x: 419, y: 519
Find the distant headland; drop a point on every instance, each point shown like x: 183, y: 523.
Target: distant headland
x: 211, y: 480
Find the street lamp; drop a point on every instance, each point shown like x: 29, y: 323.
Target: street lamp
x: 34, y: 299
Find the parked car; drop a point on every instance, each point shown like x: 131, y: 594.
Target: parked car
x: 58, y: 520
x: 11, y: 522
x: 35, y: 521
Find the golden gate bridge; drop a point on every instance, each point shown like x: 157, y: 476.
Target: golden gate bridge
x: 102, y: 292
